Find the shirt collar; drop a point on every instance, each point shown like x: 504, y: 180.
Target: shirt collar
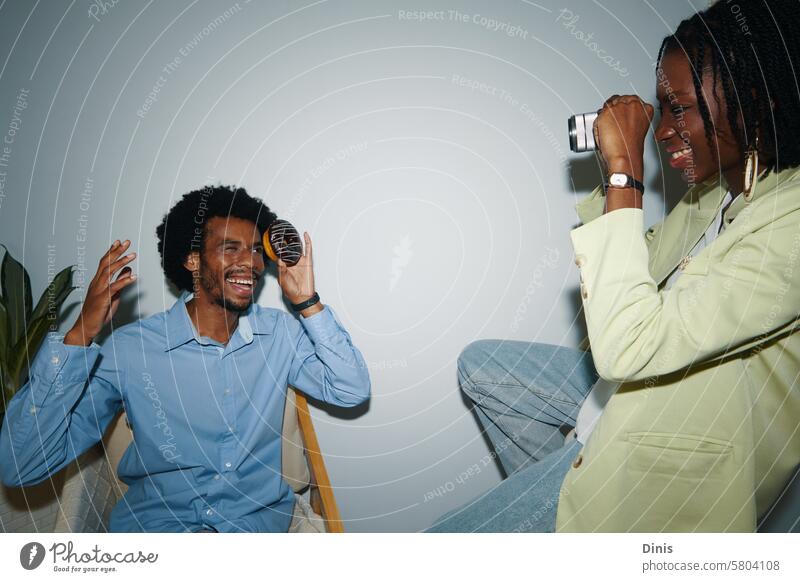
x: 180, y: 329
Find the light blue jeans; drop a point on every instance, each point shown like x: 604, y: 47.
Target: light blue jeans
x: 526, y: 396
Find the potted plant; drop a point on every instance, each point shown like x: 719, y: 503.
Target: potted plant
x: 23, y: 326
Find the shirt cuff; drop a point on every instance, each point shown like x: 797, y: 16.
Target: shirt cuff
x: 58, y: 360
x: 321, y: 326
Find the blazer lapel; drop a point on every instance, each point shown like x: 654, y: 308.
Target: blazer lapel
x: 683, y: 227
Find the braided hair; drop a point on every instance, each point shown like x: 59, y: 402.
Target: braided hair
x: 752, y: 48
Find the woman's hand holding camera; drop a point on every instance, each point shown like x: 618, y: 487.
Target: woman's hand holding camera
x: 620, y: 129
x: 619, y: 133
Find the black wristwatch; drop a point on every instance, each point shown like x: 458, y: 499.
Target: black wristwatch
x: 620, y: 180
x: 307, y: 303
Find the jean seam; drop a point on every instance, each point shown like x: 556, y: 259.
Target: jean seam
x: 544, y: 395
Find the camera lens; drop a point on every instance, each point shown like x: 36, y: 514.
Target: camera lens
x: 581, y: 132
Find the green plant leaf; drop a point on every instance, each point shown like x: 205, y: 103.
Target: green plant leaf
x: 4, y: 339
x: 55, y: 294
x: 25, y: 350
x: 5, y: 392
x: 16, y: 288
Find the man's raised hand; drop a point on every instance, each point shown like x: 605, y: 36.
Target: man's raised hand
x: 103, y: 294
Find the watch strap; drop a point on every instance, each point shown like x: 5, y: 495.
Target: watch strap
x: 631, y: 182
x: 307, y: 303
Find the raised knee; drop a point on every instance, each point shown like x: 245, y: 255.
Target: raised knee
x: 472, y: 359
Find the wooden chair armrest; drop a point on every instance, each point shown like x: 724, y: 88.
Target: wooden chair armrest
x: 322, y: 500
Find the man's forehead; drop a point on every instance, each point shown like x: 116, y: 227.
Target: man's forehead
x: 233, y: 228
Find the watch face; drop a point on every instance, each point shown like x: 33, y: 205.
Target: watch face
x: 618, y: 180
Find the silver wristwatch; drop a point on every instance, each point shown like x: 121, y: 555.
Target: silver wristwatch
x: 620, y: 180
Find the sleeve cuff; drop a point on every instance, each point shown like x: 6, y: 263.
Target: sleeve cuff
x: 612, y: 256
x: 617, y: 224
x: 55, y: 359
x: 592, y: 206
x: 321, y: 326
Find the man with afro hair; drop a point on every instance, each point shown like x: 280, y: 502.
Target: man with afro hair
x: 203, y: 384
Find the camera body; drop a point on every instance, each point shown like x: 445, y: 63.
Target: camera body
x: 581, y: 132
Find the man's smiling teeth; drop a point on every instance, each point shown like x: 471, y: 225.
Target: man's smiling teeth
x: 239, y: 281
x: 683, y: 152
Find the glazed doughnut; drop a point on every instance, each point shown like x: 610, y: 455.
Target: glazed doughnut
x: 282, y: 241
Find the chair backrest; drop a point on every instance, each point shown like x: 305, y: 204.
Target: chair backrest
x: 295, y: 466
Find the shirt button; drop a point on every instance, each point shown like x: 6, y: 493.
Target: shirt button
x: 216, y: 477
x: 584, y: 292
x: 227, y: 390
x: 55, y: 360
x: 209, y: 512
x: 228, y: 465
x: 580, y: 260
x: 32, y: 409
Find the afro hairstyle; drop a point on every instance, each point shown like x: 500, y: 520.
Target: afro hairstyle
x: 178, y: 232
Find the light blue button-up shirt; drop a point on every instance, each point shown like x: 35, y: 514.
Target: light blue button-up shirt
x: 206, y: 417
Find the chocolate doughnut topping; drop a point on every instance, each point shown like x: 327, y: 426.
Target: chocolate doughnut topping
x: 285, y: 242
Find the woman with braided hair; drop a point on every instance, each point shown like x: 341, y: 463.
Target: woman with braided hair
x: 686, y: 412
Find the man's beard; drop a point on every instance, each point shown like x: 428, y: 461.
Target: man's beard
x: 231, y: 306
x: 218, y: 297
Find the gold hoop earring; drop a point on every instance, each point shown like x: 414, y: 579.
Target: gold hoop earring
x: 750, y: 172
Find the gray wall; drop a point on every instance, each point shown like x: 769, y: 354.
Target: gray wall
x: 428, y: 159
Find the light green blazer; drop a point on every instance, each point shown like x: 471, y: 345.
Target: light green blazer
x: 704, y: 431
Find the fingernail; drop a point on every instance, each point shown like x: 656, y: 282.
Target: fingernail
x: 133, y: 277
x: 133, y: 255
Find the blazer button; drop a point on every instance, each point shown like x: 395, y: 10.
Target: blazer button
x: 577, y: 462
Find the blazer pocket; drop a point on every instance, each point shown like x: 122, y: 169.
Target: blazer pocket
x: 677, y: 455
